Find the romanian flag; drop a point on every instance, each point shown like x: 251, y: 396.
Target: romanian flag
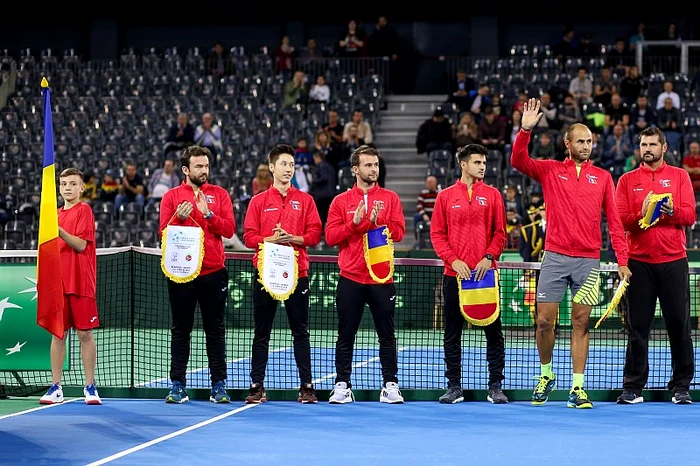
x: 479, y: 301
x: 379, y: 254
x: 654, y: 212
x: 49, y: 308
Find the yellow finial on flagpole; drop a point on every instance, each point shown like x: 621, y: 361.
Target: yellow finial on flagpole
x: 44, y: 83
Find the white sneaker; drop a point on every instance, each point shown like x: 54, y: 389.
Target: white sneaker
x: 91, y: 396
x: 391, y: 394
x: 341, y: 394
x: 53, y: 396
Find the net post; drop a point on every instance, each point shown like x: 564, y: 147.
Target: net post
x: 132, y: 305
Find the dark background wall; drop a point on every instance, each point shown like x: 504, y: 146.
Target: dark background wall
x: 425, y: 36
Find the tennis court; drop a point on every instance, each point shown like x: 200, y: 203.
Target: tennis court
x: 135, y: 426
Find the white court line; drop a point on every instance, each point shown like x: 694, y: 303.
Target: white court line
x: 201, y: 369
x: 38, y: 408
x: 354, y: 366
x: 177, y: 433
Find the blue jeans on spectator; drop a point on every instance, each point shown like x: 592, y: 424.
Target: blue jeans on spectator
x: 121, y: 199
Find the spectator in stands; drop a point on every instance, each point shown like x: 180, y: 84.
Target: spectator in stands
x: 283, y: 57
x: 478, y: 101
x: 498, y: 109
x: 302, y: 153
x: 532, y: 234
x: 570, y: 113
x: 586, y: 47
x: 545, y: 149
x: 632, y: 85
x: 617, y: 148
x: 492, y: 131
x: 604, y: 88
x: 208, y: 135
x: 518, y: 105
x: 384, y: 40
x: 4, y: 211
x: 352, y: 142
x: 320, y: 92
x: 162, y: 180
x: 467, y: 131
x: 334, y: 129
x: 181, y: 134
x: 581, y: 87
x: 597, y: 149
x: 549, y: 120
x: 512, y: 229
x: 89, y: 193
x: 512, y: 200
x: 426, y: 203
x: 619, y: 58
x: 669, y: 119
x: 460, y: 89
x: 352, y: 43
x: 262, y: 180
x: 691, y: 164
x: 295, y: 91
x: 616, y: 113
x: 435, y: 133
x: 633, y: 160
x: 131, y: 188
x: 638, y: 37
x: 566, y: 46
x: 668, y: 93
x: 109, y: 187
x: 323, y: 185
x: 513, y: 126
x: 219, y: 61
x: 364, y: 129
x: 641, y: 115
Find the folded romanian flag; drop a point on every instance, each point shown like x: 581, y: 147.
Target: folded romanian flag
x: 379, y: 254
x: 479, y: 300
x: 654, y: 212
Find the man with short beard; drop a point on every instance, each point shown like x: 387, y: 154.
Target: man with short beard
x: 196, y: 203
x: 659, y: 263
x: 575, y: 192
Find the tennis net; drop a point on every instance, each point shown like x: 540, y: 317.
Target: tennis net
x: 134, y: 338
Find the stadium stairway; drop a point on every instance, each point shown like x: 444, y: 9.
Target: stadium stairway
x: 396, y: 139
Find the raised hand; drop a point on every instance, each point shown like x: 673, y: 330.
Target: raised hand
x: 531, y: 114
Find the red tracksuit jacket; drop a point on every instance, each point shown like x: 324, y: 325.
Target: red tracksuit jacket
x: 574, y: 203
x: 665, y: 241
x: 297, y: 215
x: 467, y: 227
x: 220, y: 225
x: 341, y: 231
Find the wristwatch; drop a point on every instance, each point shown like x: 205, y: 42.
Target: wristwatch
x: 490, y: 257
x: 211, y: 214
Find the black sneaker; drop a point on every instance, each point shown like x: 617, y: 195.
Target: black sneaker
x: 682, y: 397
x: 307, y: 394
x: 496, y: 395
x: 629, y: 397
x: 256, y: 394
x: 452, y: 395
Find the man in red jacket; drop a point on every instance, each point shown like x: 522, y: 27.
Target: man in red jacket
x: 282, y: 215
x: 197, y: 203
x: 352, y: 217
x: 659, y: 264
x: 468, y: 233
x: 575, y: 191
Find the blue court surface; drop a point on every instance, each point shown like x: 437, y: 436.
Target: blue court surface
x: 150, y: 432
x: 424, y: 368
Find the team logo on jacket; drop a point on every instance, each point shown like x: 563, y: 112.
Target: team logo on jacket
x: 665, y: 183
x: 592, y: 179
x: 481, y: 200
x: 210, y: 199
x: 378, y: 204
x: 296, y: 205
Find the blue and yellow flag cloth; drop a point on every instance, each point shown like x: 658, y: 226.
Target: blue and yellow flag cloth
x: 379, y: 254
x: 479, y: 301
x: 654, y: 213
